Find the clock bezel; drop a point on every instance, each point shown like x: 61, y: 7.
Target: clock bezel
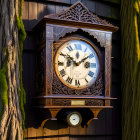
x: 86, y: 41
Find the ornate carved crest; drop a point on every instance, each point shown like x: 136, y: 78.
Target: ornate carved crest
x: 79, y: 13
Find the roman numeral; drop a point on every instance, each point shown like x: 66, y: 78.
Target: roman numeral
x: 69, y: 80
x: 91, y: 56
x: 93, y: 65
x: 78, y: 46
x: 60, y: 63
x: 70, y: 48
x: 85, y: 50
x: 62, y: 72
x: 62, y: 54
x: 86, y: 80
x: 90, y: 73
x: 77, y: 83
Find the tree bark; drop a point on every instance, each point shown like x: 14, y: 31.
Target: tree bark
x: 130, y: 31
x: 11, y: 120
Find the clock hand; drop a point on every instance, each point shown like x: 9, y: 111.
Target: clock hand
x: 72, y: 59
x: 67, y: 56
x: 82, y: 60
x: 62, y: 54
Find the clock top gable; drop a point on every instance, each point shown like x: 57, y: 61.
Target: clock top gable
x: 77, y: 16
x: 79, y: 13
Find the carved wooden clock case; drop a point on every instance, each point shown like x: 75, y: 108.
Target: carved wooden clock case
x: 73, y: 63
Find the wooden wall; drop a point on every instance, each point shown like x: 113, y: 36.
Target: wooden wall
x: 108, y: 127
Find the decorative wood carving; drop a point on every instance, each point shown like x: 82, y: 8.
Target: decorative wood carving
x: 102, y: 37
x: 95, y: 90
x: 60, y: 102
x: 49, y: 67
x: 94, y: 102
x: 49, y: 60
x: 61, y: 31
x: 78, y: 12
x: 99, y: 35
x: 66, y: 102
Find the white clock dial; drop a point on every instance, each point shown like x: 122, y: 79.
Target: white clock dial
x: 74, y: 119
x: 77, y: 64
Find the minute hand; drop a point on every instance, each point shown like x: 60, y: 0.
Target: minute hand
x: 83, y: 60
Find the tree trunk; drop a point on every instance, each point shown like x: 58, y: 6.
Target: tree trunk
x: 130, y: 28
x: 11, y: 116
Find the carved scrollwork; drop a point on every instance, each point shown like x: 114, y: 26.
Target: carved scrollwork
x: 97, y: 89
x: 107, y: 71
x: 60, y: 102
x: 104, y: 38
x: 61, y: 31
x: 67, y: 102
x: 78, y: 12
x: 94, y: 103
x: 100, y: 36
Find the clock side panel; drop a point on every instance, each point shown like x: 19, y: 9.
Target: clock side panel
x: 40, y: 72
x: 40, y: 80
x: 44, y: 62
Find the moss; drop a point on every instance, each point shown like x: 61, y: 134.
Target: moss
x: 3, y: 80
x: 21, y: 38
x: 3, y: 86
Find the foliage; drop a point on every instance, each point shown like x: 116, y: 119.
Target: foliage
x: 130, y: 26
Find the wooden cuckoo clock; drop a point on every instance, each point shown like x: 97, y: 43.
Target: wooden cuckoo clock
x: 73, y: 63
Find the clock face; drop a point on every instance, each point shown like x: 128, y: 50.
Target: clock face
x: 74, y: 119
x: 77, y: 64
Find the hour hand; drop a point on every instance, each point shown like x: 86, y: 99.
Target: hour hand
x: 68, y: 57
x: 71, y: 58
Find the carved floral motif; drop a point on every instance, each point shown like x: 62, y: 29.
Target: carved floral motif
x: 79, y: 13
x: 95, y: 90
x: 66, y: 102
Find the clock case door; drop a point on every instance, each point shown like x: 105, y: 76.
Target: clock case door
x: 52, y: 93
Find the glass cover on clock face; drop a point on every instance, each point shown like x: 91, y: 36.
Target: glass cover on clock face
x: 77, y: 64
